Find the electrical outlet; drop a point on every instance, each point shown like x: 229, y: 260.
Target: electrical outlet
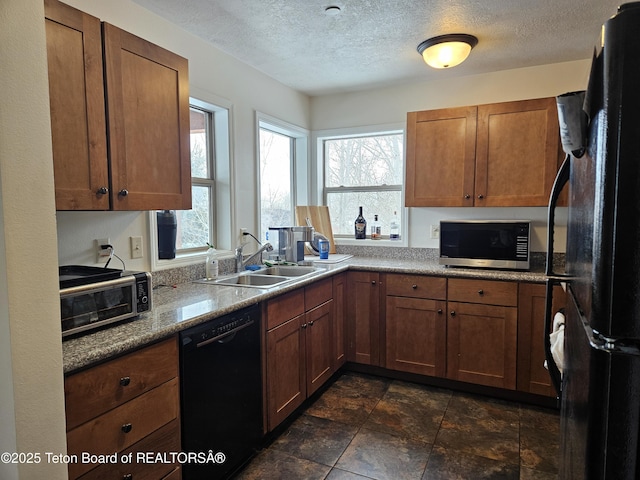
x: 136, y: 247
x: 102, y: 253
x: 435, y: 231
x: 243, y: 230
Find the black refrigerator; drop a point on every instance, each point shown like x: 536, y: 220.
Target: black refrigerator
x: 599, y: 392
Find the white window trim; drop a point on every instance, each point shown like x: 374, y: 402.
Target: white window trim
x: 300, y: 168
x: 318, y: 178
x: 223, y: 202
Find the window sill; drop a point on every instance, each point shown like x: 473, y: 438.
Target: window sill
x: 352, y: 242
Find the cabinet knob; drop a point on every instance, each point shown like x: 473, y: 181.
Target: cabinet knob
x: 414, y: 286
x: 124, y: 192
x: 452, y: 313
x: 127, y: 476
x: 304, y: 325
x: 480, y: 292
x: 311, y: 323
x: 480, y: 197
x: 124, y: 381
x: 467, y: 196
x: 373, y: 282
x: 102, y: 191
x: 439, y: 311
x: 126, y: 428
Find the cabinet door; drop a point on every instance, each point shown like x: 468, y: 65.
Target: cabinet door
x: 441, y: 147
x: 517, y: 153
x: 76, y: 95
x: 481, y: 344
x: 339, y: 320
x: 285, y: 370
x: 532, y: 376
x: 416, y: 335
x: 319, y: 345
x: 148, y: 117
x: 363, y: 323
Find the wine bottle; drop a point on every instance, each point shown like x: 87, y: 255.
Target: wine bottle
x: 376, y: 229
x: 394, y: 228
x: 361, y: 226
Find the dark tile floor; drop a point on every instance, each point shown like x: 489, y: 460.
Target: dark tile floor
x: 366, y: 427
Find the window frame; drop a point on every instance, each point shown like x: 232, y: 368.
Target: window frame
x: 321, y: 137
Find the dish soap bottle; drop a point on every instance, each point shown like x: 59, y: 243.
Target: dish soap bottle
x: 212, y: 263
x: 361, y: 226
x: 394, y: 228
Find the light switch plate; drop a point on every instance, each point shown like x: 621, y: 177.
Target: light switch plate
x: 136, y: 247
x: 435, y: 231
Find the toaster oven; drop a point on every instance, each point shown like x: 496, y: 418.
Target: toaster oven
x: 92, y: 297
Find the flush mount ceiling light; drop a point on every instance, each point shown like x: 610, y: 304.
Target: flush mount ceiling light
x: 447, y: 51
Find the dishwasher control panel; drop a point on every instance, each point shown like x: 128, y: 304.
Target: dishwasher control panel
x: 219, y: 329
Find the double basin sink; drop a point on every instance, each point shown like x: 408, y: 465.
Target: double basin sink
x: 266, y: 277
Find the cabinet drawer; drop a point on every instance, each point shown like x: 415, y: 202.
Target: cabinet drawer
x: 318, y: 293
x: 284, y: 308
x: 417, y: 286
x: 489, y: 292
x: 123, y: 426
x: 164, y: 440
x: 101, y: 388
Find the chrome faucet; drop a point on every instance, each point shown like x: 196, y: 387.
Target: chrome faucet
x: 241, y: 262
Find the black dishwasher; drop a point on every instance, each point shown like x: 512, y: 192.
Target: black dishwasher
x: 221, y: 394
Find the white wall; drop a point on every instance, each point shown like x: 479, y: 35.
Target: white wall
x: 31, y: 381
x: 213, y: 75
x: 390, y: 105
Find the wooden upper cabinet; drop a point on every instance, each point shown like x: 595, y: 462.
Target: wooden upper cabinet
x: 76, y: 92
x: 495, y: 155
x: 148, y: 117
x: 441, y: 149
x: 516, y: 153
x: 144, y: 121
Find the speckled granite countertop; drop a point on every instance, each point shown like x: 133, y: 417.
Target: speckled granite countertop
x: 184, y: 305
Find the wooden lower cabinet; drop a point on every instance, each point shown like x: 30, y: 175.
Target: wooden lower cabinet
x: 415, y: 324
x: 416, y: 332
x: 125, y: 406
x: 481, y: 344
x: 532, y: 376
x: 339, y: 320
x: 300, y: 349
x: 363, y: 318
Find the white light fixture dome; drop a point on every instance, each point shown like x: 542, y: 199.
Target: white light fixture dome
x: 447, y: 51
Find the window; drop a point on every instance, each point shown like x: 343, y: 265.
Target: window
x: 208, y: 221
x: 195, y: 226
x: 363, y: 170
x: 276, y: 167
x: 284, y: 172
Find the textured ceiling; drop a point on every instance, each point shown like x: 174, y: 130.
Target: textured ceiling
x: 372, y: 43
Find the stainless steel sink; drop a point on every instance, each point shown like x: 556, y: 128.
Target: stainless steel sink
x: 265, y: 277
x: 249, y: 280
x: 287, y: 271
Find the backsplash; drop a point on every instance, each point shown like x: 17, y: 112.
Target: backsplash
x: 175, y: 276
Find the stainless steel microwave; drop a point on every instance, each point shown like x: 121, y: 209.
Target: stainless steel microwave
x: 485, y: 243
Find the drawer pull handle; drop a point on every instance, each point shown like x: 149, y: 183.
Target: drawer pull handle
x: 480, y: 292
x: 127, y: 476
x: 124, y: 381
x: 414, y: 286
x: 126, y: 428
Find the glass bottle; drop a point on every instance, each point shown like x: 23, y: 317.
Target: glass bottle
x: 394, y: 228
x: 376, y: 229
x: 361, y: 226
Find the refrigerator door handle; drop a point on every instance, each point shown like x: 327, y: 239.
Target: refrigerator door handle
x: 554, y: 372
x: 562, y: 178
